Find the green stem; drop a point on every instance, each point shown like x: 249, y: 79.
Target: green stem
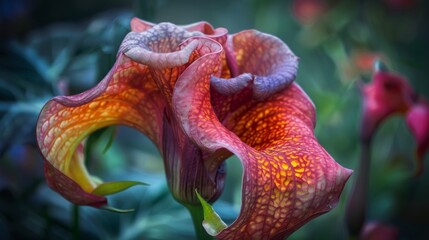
x: 358, y: 199
x: 197, y: 218
x: 75, y: 222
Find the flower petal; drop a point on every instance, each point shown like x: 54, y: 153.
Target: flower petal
x: 73, y: 191
x: 418, y: 122
x: 288, y: 171
x: 140, y: 25
x: 288, y: 177
x: 162, y: 48
x: 126, y: 96
x: 272, y: 64
x: 200, y: 28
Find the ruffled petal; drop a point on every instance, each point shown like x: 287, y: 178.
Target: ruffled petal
x: 255, y: 65
x: 126, y: 96
x: 291, y: 178
x: 161, y: 48
x: 199, y: 28
x: 136, y: 93
x: 270, y: 62
x: 288, y: 177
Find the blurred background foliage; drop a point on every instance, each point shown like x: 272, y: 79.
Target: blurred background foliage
x: 48, y: 48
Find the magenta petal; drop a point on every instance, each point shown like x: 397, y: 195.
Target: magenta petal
x: 418, y: 122
x: 387, y: 94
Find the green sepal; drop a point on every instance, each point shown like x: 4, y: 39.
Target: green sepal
x: 108, y: 188
x: 212, y: 222
x: 116, y: 210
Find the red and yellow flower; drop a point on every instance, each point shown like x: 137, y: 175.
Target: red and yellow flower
x: 202, y: 95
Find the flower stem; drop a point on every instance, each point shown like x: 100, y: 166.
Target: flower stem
x: 197, y: 218
x: 358, y: 199
x: 75, y: 222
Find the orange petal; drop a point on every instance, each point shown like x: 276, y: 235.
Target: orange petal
x: 65, y: 121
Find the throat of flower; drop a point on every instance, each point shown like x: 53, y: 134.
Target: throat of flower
x: 185, y: 168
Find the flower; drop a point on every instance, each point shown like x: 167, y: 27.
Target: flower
x: 379, y: 231
x: 201, y: 95
x: 308, y: 11
x: 388, y: 93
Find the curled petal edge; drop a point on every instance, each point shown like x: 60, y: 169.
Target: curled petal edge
x: 265, y: 62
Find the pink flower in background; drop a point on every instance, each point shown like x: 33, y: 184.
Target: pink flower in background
x: 379, y: 231
x: 418, y: 122
x: 308, y: 11
x: 390, y: 93
x: 387, y: 94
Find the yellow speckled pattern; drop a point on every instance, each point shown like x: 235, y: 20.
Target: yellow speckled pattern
x: 129, y: 97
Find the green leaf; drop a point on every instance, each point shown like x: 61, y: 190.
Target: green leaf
x: 212, y: 222
x: 116, y: 210
x: 111, y: 131
x: 96, y: 139
x: 108, y: 188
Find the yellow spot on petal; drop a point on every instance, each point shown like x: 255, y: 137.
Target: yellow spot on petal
x: 294, y: 163
x: 285, y: 166
x: 94, y: 104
